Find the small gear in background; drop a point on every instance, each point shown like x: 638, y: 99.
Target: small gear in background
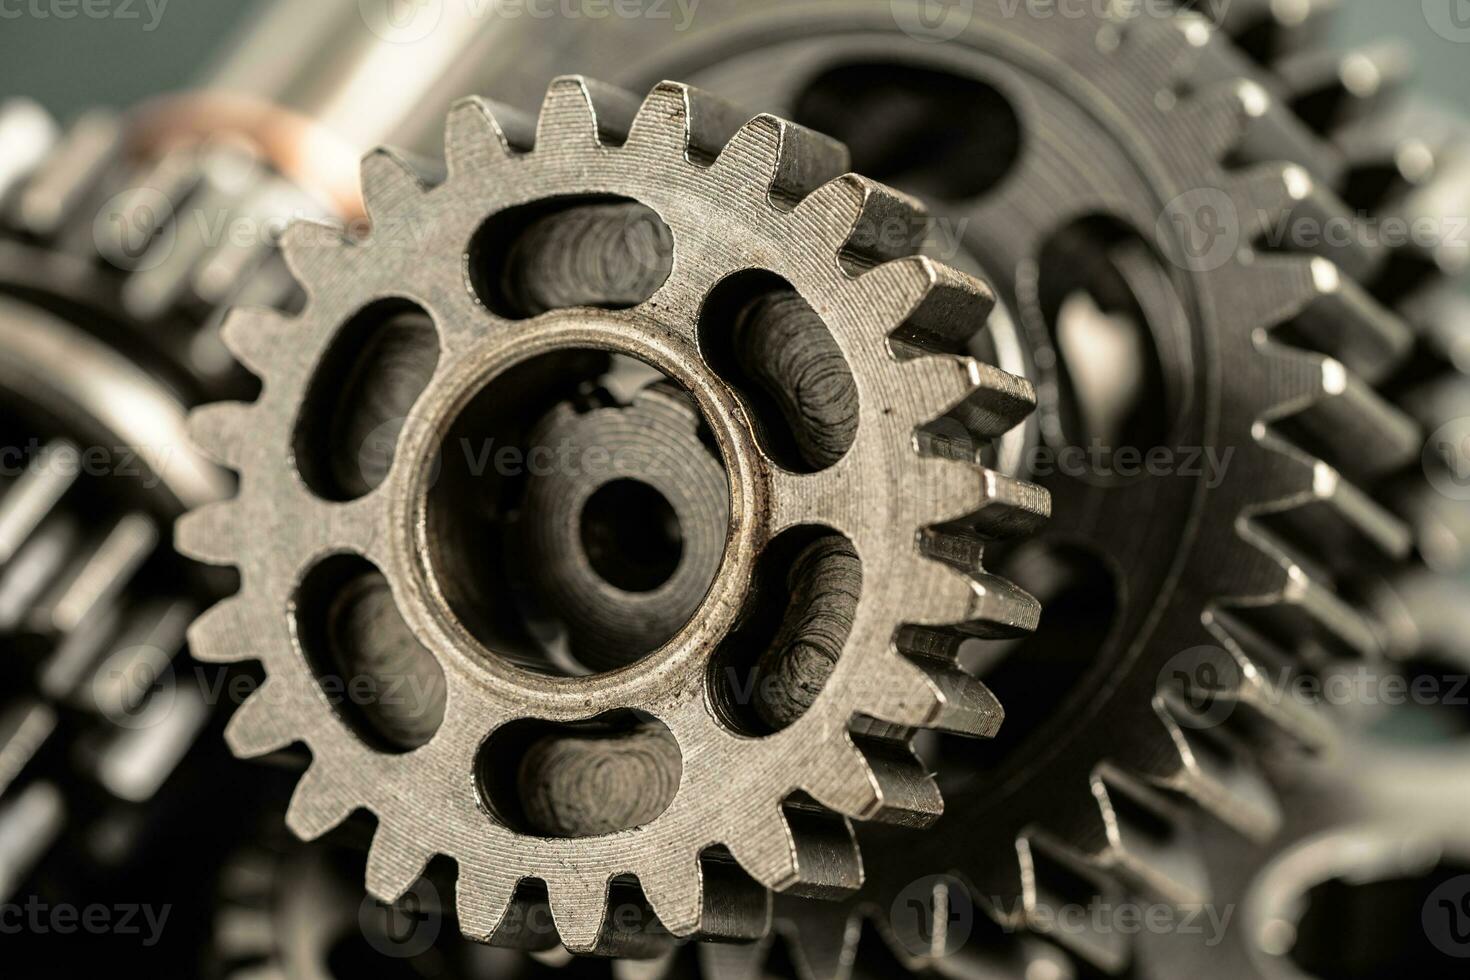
x: 796, y: 355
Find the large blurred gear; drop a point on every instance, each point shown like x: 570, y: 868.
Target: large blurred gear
x: 1405, y: 166
x: 1068, y: 153
x: 859, y: 450
x: 115, y: 252
x: 1368, y: 877
x: 144, y: 235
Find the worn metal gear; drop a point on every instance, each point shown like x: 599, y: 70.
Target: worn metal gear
x: 1104, y: 147
x: 752, y: 222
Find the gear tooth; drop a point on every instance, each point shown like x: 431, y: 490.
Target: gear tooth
x: 963, y: 394
x: 1334, y: 524
x: 1305, y: 621
x: 1348, y: 425
x: 392, y: 183
x: 579, y: 112
x: 314, y: 251
x: 394, y: 863
x: 251, y: 334
x: 1271, y: 30
x: 1331, y: 89
x: 317, y: 806
x: 802, y: 851
x: 935, y: 309
x: 685, y: 120
x: 996, y: 505
x: 966, y: 706
x: 1342, y: 321
x: 827, y: 944
x: 217, y: 429
x: 256, y: 728
x: 221, y: 634
x: 480, y: 133
x: 964, y: 596
x: 677, y: 898
x: 1241, y: 124
x: 878, y: 780
x: 1217, y: 780
x: 208, y: 534
x: 579, y: 916
x: 734, y: 961
x: 1057, y: 877
x: 869, y: 222
x: 1144, y: 840
x: 1277, y: 199
x: 786, y: 162
x: 494, y: 910
x: 29, y: 134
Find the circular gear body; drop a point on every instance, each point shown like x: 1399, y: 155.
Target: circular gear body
x: 1136, y: 165
x: 745, y: 204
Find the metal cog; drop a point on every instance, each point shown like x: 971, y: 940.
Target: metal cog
x: 909, y: 494
x: 148, y: 244
x: 1368, y: 815
x: 1405, y: 166
x: 1267, y: 353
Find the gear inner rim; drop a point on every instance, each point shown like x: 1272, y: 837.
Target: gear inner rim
x: 748, y: 471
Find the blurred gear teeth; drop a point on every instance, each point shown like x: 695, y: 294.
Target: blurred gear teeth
x: 1275, y: 352
x: 865, y: 339
x: 166, y: 240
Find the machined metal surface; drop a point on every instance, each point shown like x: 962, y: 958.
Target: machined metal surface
x: 745, y: 203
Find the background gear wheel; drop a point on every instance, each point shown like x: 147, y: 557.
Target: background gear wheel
x: 1143, y: 122
x: 747, y: 208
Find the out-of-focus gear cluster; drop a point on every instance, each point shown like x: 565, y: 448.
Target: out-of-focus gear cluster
x: 938, y: 489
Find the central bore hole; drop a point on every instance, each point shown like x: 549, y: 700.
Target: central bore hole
x: 580, y: 513
x: 632, y: 536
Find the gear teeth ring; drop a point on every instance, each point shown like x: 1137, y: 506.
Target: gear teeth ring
x: 738, y: 195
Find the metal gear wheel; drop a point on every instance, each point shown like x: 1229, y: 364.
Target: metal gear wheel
x: 1123, y: 139
x: 754, y: 237
x: 1374, y: 836
x: 144, y: 239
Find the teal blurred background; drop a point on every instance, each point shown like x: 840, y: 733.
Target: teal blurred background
x: 68, y: 65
